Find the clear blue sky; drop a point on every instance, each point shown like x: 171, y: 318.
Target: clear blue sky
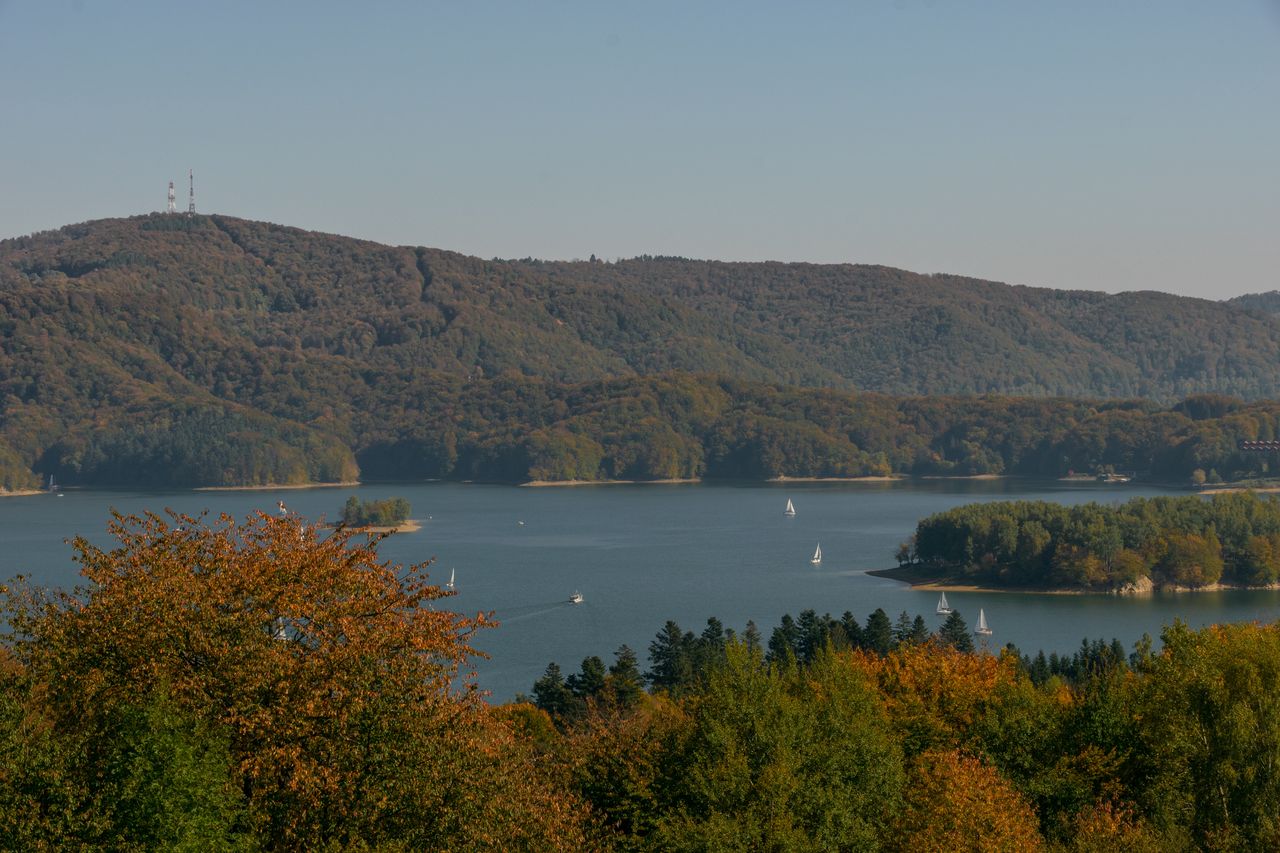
x: 1101, y: 145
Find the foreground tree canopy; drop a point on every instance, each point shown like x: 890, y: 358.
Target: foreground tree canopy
x: 240, y: 684
x: 266, y: 685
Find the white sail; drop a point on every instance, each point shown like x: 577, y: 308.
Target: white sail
x: 817, y: 555
x: 790, y: 510
x: 982, y: 624
x: 943, y: 608
x: 452, y: 574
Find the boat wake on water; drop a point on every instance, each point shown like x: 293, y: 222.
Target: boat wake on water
x: 528, y: 611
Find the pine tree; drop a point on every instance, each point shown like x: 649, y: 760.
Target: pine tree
x: 670, y: 658
x: 852, y: 630
x: 902, y: 629
x: 878, y: 636
x: 811, y: 635
x: 624, y: 677
x: 784, y: 640
x: 590, y: 681
x: 955, y: 633
x: 551, y: 694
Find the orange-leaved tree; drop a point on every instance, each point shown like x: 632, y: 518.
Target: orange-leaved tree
x: 934, y: 694
x: 332, y: 677
x: 956, y: 802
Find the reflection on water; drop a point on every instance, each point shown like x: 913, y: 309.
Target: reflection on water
x: 645, y: 554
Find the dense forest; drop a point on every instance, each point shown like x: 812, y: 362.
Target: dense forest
x: 210, y: 350
x: 245, y: 686
x: 1172, y: 541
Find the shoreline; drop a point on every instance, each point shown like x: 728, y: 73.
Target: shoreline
x: 937, y: 583
x: 966, y: 476
x: 1229, y: 489
x: 409, y: 526
x: 272, y: 488
x: 1224, y: 488
x: 942, y: 583
x: 869, y: 478
x: 543, y: 484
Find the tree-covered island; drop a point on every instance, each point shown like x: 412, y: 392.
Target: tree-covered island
x: 1187, y: 542
x: 391, y: 514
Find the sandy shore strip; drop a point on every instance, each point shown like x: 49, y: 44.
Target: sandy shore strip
x: 349, y: 485
x: 926, y: 583
x: 933, y: 583
x: 944, y: 585
x: 869, y: 478
x: 540, y: 484
x: 1223, y: 490
x: 21, y: 493
x: 965, y: 476
x: 410, y: 526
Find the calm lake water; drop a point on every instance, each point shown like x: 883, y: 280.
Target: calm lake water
x: 643, y: 554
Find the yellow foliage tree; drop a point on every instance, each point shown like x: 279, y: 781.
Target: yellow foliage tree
x: 934, y: 694
x: 956, y: 802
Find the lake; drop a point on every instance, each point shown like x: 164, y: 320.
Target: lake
x: 644, y: 554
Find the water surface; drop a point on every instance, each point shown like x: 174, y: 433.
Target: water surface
x: 647, y: 553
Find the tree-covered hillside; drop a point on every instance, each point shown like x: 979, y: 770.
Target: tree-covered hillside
x: 1266, y: 303
x: 214, y: 350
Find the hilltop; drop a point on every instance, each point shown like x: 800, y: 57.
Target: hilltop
x: 214, y: 350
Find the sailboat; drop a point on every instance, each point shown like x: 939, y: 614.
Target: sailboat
x: 817, y: 555
x: 790, y: 510
x: 982, y: 624
x: 452, y: 573
x: 944, y: 609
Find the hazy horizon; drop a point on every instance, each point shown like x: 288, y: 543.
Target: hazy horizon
x: 1083, y: 147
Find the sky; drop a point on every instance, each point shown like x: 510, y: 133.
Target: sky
x: 1095, y: 145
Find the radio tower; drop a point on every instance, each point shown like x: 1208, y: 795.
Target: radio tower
x: 173, y: 206
x: 191, y: 203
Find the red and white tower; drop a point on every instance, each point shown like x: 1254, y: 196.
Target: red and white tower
x: 173, y: 206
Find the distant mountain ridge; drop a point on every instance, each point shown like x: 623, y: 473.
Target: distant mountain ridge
x: 1267, y: 303
x: 263, y: 334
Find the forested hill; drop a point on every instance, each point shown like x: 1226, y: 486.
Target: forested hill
x: 251, y: 286
x: 210, y: 349
x: 1265, y: 303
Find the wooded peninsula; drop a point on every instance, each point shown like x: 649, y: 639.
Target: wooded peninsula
x: 1184, y: 542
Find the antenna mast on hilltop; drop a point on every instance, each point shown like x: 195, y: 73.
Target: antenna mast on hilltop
x: 173, y: 207
x: 191, y: 203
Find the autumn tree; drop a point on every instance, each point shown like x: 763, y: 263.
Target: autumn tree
x: 956, y: 802
x: 322, y: 668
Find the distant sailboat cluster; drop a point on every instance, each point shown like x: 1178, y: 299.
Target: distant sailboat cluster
x: 790, y: 512
x: 943, y: 609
